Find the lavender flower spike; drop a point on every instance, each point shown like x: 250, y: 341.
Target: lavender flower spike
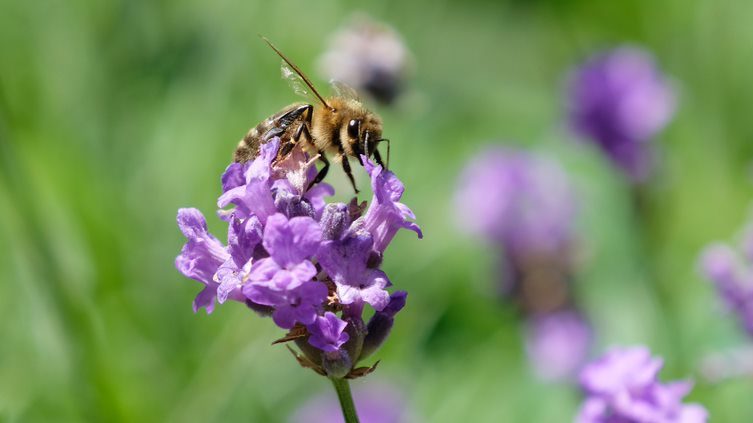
x: 620, y: 100
x: 623, y: 386
x: 310, y: 265
x: 517, y: 199
x: 729, y: 270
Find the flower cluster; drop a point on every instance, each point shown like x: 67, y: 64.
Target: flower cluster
x: 523, y: 204
x: 620, y: 100
x: 623, y: 386
x: 732, y: 274
x: 294, y: 257
x: 369, y: 56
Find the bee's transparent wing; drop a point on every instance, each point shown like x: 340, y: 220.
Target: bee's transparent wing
x: 295, y: 81
x: 344, y: 90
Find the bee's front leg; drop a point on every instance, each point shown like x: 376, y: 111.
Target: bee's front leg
x: 322, y: 172
x: 349, y: 172
x: 378, y: 158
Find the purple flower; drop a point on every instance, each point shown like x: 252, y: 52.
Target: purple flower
x: 517, y: 199
x: 732, y: 274
x: 201, y: 256
x: 620, y: 100
x: 558, y: 344
x: 375, y: 403
x: 328, y: 332
x: 623, y: 386
x: 345, y: 261
x: 386, y: 215
x: 290, y: 244
x: 255, y: 196
x: 292, y: 256
x: 294, y: 305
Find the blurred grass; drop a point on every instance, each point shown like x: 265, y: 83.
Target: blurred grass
x: 114, y: 114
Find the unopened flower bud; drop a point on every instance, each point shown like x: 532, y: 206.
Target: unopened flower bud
x: 335, y: 220
x: 337, y: 364
x: 380, y: 325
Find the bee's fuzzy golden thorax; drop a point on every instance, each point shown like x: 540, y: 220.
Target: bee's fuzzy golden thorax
x: 330, y: 127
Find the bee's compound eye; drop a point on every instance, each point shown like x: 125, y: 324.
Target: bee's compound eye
x: 353, y: 127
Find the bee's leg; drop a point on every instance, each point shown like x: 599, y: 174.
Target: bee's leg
x: 388, y: 152
x: 378, y: 158
x: 349, y: 172
x: 322, y: 172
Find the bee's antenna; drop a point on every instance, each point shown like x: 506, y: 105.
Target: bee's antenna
x: 297, y: 70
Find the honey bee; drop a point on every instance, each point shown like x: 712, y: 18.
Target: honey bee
x: 339, y: 125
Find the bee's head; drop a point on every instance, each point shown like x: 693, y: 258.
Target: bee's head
x: 362, y: 132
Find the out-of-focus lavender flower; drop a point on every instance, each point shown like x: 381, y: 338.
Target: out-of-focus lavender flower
x: 524, y: 205
x: 558, y: 344
x: 291, y: 255
x: 376, y: 403
x: 370, y: 57
x: 517, y: 199
x: 620, y: 100
x: 731, y: 272
x: 623, y: 386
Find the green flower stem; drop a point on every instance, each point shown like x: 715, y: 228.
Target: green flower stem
x: 346, y: 400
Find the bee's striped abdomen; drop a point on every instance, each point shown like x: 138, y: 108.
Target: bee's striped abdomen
x: 277, y: 125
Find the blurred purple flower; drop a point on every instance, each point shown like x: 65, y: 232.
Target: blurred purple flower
x: 558, y: 344
x: 620, y: 100
x: 376, y: 403
x: 731, y: 272
x: 370, y: 57
x: 623, y: 386
x: 293, y: 257
x: 517, y: 199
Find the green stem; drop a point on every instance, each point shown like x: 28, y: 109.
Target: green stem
x: 346, y: 400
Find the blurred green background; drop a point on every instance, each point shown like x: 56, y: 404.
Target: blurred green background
x: 113, y: 114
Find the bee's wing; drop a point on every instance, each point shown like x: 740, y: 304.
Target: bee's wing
x: 344, y: 90
x: 296, y: 82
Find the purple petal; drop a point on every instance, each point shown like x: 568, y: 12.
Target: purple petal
x: 243, y: 237
x: 255, y: 197
x: 205, y: 299
x: 345, y: 260
x: 290, y: 242
x: 300, y: 305
x: 386, y: 215
x: 234, y: 176
x: 203, y: 254
x: 371, y: 291
x: 328, y: 333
